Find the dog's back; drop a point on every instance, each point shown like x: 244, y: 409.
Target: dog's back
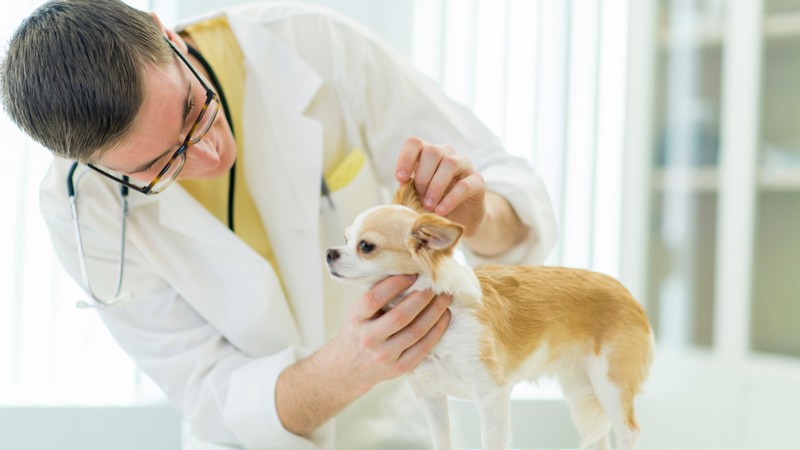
x: 527, y: 305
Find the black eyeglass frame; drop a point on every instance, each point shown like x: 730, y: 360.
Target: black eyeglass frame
x: 210, y: 95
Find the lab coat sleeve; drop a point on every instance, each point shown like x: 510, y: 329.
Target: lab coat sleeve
x: 393, y: 101
x: 227, y: 397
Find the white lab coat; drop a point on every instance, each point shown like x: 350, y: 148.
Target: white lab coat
x: 205, y: 316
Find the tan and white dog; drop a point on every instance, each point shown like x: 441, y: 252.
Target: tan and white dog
x: 508, y: 324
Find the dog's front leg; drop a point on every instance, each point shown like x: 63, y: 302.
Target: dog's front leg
x: 494, y: 412
x: 435, y: 409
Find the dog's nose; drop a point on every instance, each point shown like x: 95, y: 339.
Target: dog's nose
x: 333, y: 255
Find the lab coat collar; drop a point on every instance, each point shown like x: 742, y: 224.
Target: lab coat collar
x: 287, y: 80
x: 291, y: 83
x: 197, y: 222
x: 284, y: 174
x: 283, y: 86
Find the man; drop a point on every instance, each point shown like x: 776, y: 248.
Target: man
x: 224, y: 301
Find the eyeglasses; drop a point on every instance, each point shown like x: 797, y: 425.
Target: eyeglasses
x: 201, y: 126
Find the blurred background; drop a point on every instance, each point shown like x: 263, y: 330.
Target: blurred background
x: 668, y: 135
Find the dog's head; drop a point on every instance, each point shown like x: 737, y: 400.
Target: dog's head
x: 393, y: 240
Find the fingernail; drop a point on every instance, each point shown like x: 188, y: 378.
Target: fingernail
x: 429, y: 203
x: 402, y: 175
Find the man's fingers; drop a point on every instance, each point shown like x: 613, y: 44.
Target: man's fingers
x: 452, y: 168
x: 421, y: 324
x: 414, y: 354
x: 404, y: 312
x: 407, y: 160
x: 369, y: 304
x: 433, y: 159
x: 462, y: 190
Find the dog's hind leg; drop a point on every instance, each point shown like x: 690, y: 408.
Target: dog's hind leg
x: 588, y: 414
x: 494, y: 410
x: 616, y: 396
x: 604, y: 443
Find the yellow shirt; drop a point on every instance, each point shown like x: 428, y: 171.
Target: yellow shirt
x: 219, y: 47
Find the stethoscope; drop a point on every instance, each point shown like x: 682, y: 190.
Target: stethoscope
x: 72, y: 184
x: 98, y: 302
x: 72, y: 192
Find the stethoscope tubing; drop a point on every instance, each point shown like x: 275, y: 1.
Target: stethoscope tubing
x: 97, y: 302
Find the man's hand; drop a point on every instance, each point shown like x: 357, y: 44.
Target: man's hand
x: 375, y: 346
x: 446, y: 183
x: 372, y: 346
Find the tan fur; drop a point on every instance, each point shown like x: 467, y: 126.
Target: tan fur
x: 427, y: 224
x: 427, y: 229
x: 379, y: 231
x: 524, y: 307
x: 406, y: 195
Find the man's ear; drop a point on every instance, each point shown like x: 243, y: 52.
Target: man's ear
x: 406, y: 195
x: 435, y: 233
x: 173, y: 37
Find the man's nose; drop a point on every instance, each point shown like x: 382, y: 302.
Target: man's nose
x: 202, y: 151
x: 333, y: 255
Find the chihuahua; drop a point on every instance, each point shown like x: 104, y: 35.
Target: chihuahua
x: 508, y: 324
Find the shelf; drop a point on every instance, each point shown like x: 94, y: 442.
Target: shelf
x: 691, y: 179
x: 777, y: 26
x: 782, y: 179
x: 706, y: 179
x: 782, y: 25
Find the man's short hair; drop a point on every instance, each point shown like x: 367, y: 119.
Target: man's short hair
x: 73, y: 78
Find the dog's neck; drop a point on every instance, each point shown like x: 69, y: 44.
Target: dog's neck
x: 451, y: 278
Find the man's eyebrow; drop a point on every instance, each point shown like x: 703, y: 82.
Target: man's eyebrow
x: 184, y: 116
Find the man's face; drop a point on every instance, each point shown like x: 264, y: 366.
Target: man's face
x: 160, y: 128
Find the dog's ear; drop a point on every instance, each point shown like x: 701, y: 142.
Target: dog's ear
x: 406, y: 195
x: 435, y: 233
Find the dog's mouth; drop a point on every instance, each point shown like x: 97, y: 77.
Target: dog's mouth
x: 351, y: 278
x: 340, y: 275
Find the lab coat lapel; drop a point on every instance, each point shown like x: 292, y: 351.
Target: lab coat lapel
x: 283, y: 166
x: 197, y: 222
x: 240, y: 318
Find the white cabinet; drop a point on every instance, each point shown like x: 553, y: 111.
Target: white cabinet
x: 712, y: 210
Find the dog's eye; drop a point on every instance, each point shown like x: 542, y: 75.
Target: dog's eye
x: 366, y: 247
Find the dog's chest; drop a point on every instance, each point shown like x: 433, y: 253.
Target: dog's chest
x: 454, y: 367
